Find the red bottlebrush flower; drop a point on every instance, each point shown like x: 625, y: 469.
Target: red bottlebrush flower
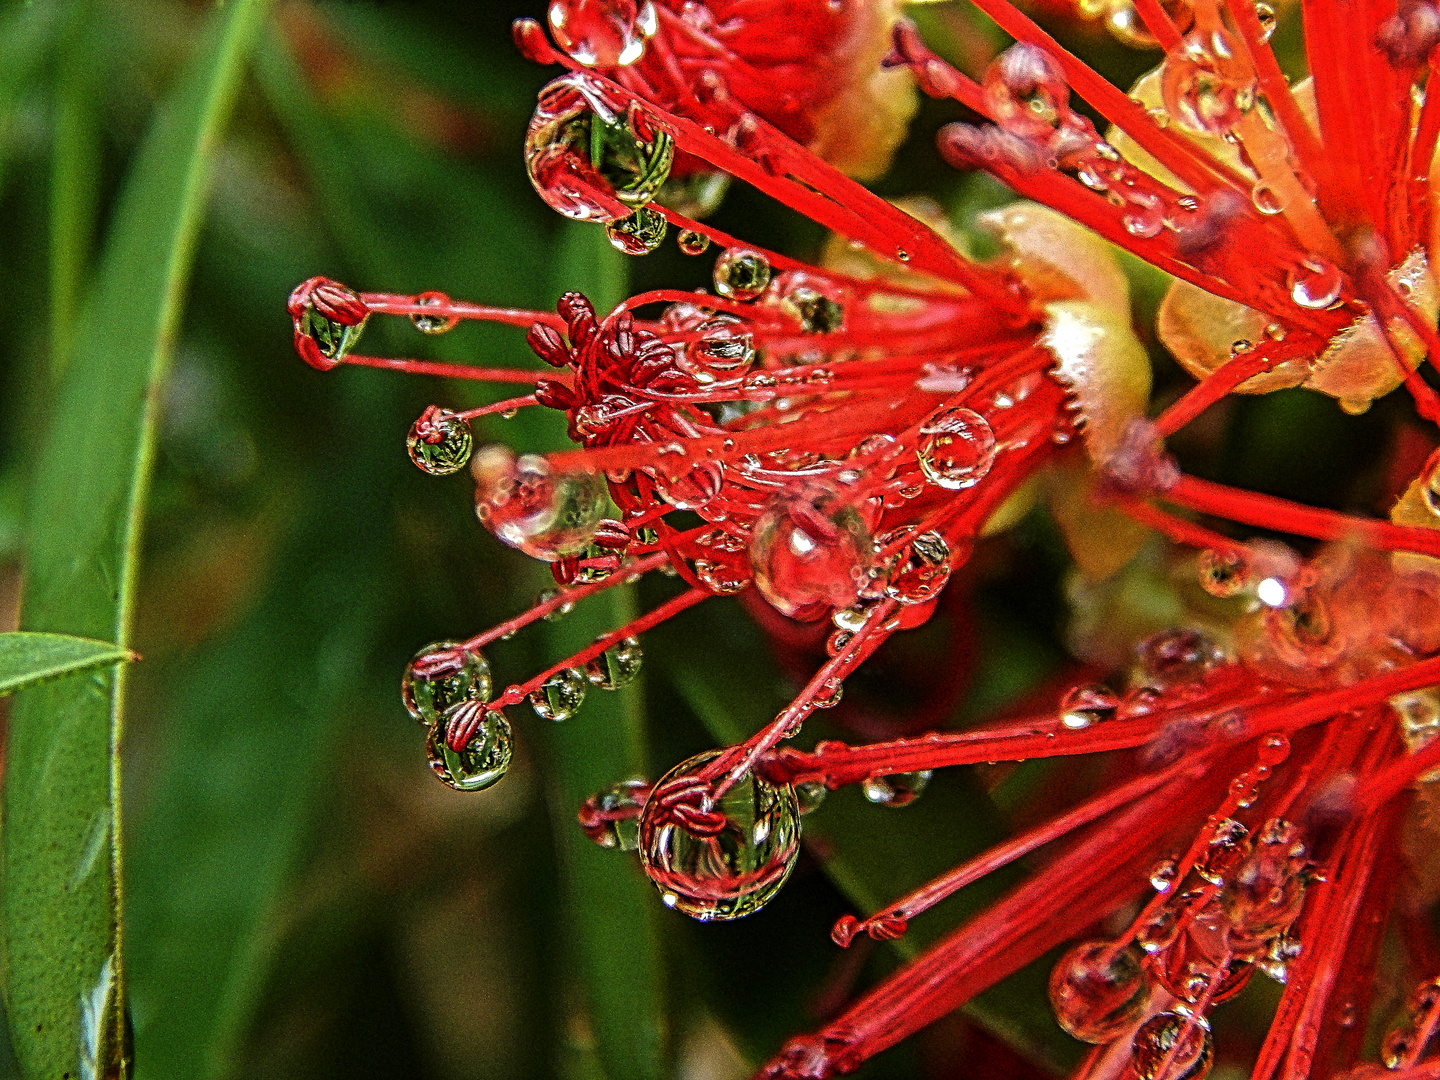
x: 843, y: 436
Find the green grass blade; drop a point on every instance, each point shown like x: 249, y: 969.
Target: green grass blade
x: 28, y: 658
x: 610, y: 908
x: 65, y: 978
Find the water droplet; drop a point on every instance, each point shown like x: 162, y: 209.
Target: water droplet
x: 810, y: 549
x: 1086, y: 705
x: 560, y: 696
x: 1143, y: 221
x: 897, y: 789
x: 1098, y: 990
x: 1168, y: 1036
x: 728, y: 861
x: 617, y: 666
x: 956, y: 448
x: 1399, y: 1046
x: 545, y: 596
x: 1223, y: 853
x: 1172, y: 658
x: 329, y: 318
x: 723, y: 578
x: 592, y: 155
x: 1264, y: 891
x: 615, y: 811
x: 920, y: 570
x: 1418, y: 712
x: 434, y: 324
x: 440, y: 676
x: 813, y: 310
x: 1266, y: 14
x: 439, y: 442
x: 603, y: 33
x: 741, y: 274
x: 639, y: 234
x: 1206, y: 83
x: 1315, y: 283
x: 1222, y: 573
x: 810, y: 794
x: 691, y: 242
x: 1162, y: 875
x: 1266, y: 199
x: 485, y: 756
x: 1026, y: 91
x: 723, y: 344
x: 545, y: 514
x: 829, y: 694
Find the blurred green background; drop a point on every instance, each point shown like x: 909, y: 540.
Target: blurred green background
x: 301, y: 898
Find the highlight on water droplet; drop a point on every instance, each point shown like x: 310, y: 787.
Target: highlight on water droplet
x: 917, y: 573
x: 1315, y: 283
x: 1086, y: 705
x: 691, y: 242
x: 603, y: 33
x: 896, y: 789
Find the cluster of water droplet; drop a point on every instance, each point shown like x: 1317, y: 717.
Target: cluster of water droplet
x: 445, y: 688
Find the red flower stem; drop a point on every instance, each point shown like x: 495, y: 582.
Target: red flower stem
x: 513, y: 695
x: 1192, y: 165
x: 1268, y: 512
x: 567, y: 596
x: 395, y: 304
x: 1080, y: 887
x: 789, y: 719
x: 1157, y: 20
x: 1276, y: 88
x: 1178, y: 529
x: 498, y: 407
x: 822, y: 193
x: 927, y: 896
x: 449, y: 371
x: 1220, y: 382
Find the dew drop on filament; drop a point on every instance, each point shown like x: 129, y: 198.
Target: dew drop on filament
x: 724, y: 874
x: 1174, y: 1038
x: 545, y: 514
x: 956, y: 448
x: 810, y: 549
x: 483, y: 759
x: 560, y: 696
x: 592, y: 155
x: 897, y: 789
x: 639, y: 234
x: 442, y: 675
x: 741, y: 274
x: 617, y: 666
x: 439, y: 442
x: 1207, y: 84
x: 1086, y: 705
x: 1098, y: 989
x: 603, y: 33
x: 1315, y: 283
x: 692, y: 243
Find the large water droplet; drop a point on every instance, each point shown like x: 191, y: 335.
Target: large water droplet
x: 560, y: 696
x: 1098, y: 989
x: 815, y: 312
x: 921, y: 568
x: 617, y: 666
x: 545, y: 514
x: 897, y: 789
x: 810, y: 549
x: 1169, y: 1036
x: 639, y: 234
x: 329, y: 318
x: 741, y: 274
x: 1174, y: 657
x: 1207, y: 83
x: 592, y: 155
x: 726, y: 873
x: 1315, y: 283
x: 956, y: 448
x: 440, y: 676
x: 1263, y: 894
x: 439, y: 442
x: 485, y: 754
x: 603, y: 33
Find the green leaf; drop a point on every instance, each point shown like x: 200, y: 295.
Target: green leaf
x: 610, y: 907
x: 62, y: 885
x: 28, y: 658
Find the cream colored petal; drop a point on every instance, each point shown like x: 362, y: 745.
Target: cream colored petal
x: 1201, y: 330
x: 1419, y: 507
x: 1100, y: 361
x: 1056, y: 258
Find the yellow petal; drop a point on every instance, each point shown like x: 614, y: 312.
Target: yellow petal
x: 1104, y: 367
x: 1056, y: 258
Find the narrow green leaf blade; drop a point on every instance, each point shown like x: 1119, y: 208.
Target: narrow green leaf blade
x: 27, y: 658
x: 62, y: 885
